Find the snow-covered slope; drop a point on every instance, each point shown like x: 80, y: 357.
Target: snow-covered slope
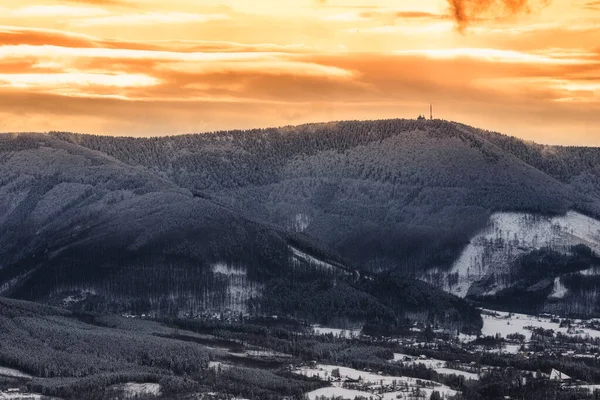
x: 486, y: 265
x: 507, y: 236
x: 79, y: 226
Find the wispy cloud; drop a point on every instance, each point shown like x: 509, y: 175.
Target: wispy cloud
x: 57, y: 11
x: 504, y: 56
x: 151, y: 19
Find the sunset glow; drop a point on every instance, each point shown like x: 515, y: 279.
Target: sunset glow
x: 132, y: 67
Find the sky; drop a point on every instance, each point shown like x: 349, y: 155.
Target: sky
x: 146, y: 67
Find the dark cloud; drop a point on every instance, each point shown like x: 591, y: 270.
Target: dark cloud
x: 467, y: 11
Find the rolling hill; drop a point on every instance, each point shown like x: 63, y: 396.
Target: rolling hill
x: 83, y: 230
x: 397, y: 197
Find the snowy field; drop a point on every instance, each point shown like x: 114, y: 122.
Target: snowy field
x: 428, y: 363
x: 450, y: 371
x: 346, y: 333
x: 135, y: 390
x: 438, y: 366
x: 19, y: 396
x: 516, y: 323
x: 379, y: 386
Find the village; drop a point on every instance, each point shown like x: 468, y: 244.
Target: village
x: 516, y: 345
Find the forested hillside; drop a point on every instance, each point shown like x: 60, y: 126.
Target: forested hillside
x: 236, y: 220
x: 400, y: 195
x: 83, y: 230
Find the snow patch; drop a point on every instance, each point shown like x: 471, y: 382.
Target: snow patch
x: 507, y: 235
x: 380, y: 386
x: 131, y: 389
x: 559, y: 290
x: 300, y: 223
x: 19, y: 396
x: 13, y: 373
x: 300, y: 256
x: 342, y: 333
x: 228, y: 269
x: 440, y: 366
x: 238, y: 289
x: 450, y: 371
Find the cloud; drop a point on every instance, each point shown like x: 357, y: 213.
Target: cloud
x: 505, y: 56
x: 467, y: 11
x: 101, y: 2
x: 152, y: 18
x: 75, y: 79
x: 592, y: 5
x: 175, y: 93
x: 57, y: 11
x: 10, y: 35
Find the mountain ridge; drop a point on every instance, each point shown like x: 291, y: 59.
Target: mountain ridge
x: 388, y: 198
x: 95, y: 233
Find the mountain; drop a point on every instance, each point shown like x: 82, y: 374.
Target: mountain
x: 82, y: 229
x: 397, y: 197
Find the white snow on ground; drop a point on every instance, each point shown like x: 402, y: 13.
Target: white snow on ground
x: 299, y: 255
x: 505, y: 325
x: 508, y: 235
x: 331, y: 391
x: 217, y: 365
x: 228, y: 269
x: 141, y: 389
x: 266, y: 353
x: 559, y: 290
x: 346, y: 333
x: 374, y: 381
x: 439, y: 366
x: 591, y: 388
x: 20, y: 396
x: 428, y: 363
x: 239, y: 288
x: 594, y: 271
x: 350, y: 394
x: 13, y: 373
x: 300, y: 223
x: 450, y: 371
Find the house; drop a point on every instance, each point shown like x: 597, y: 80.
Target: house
x: 556, y: 375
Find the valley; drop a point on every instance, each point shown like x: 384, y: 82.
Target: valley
x: 98, y: 356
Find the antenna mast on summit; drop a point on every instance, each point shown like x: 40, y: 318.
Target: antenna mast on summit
x: 430, y: 111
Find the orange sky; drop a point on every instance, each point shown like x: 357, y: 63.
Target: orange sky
x: 149, y: 67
